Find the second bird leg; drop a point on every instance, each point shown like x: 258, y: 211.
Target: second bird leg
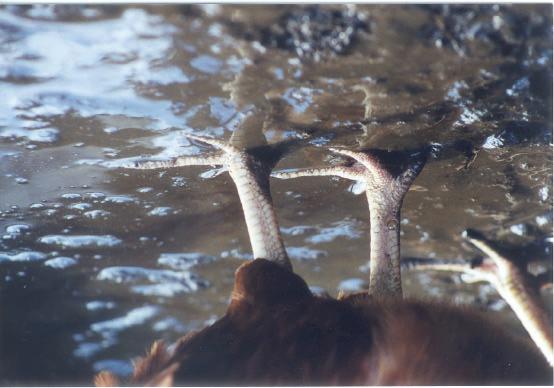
x: 385, y: 191
x: 514, y: 284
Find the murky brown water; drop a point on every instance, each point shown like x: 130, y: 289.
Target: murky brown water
x: 96, y: 261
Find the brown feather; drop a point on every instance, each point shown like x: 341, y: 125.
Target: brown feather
x: 106, y: 379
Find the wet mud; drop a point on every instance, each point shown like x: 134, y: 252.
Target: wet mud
x: 96, y: 261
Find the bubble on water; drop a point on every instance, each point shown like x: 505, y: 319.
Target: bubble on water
x: 80, y: 241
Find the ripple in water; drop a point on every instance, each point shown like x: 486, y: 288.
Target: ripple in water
x: 81, y: 241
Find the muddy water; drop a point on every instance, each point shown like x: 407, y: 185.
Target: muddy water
x: 97, y: 261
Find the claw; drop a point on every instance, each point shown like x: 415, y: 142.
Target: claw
x: 385, y: 191
x: 201, y: 160
x: 342, y: 171
x: 513, y: 283
x: 213, y: 142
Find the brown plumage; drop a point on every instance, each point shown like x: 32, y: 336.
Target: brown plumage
x: 275, y: 332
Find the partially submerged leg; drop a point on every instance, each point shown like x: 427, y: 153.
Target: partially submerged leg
x: 385, y: 190
x: 251, y: 177
x: 514, y: 284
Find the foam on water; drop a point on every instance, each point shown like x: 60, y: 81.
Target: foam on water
x: 162, y: 282
x: 346, y: 229
x: 17, y: 229
x: 96, y: 214
x: 60, y: 262
x: 297, y: 230
x: 109, y: 330
x: 135, y: 317
x: 96, y: 305
x: 118, y: 199
x: 167, y: 289
x: 80, y: 206
x: 169, y: 323
x: 236, y: 254
x: 160, y: 211
x: 305, y: 253
x: 22, y: 256
x: 184, y: 261
x: 300, y: 98
x: 80, y: 241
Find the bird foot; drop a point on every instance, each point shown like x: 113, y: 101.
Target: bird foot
x: 514, y: 284
x: 251, y: 177
x: 387, y: 176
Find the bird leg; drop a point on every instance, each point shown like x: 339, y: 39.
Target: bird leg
x: 514, y: 284
x: 251, y: 178
x: 385, y: 191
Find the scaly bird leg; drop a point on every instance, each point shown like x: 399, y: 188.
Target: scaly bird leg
x: 514, y: 284
x: 385, y: 192
x: 251, y: 177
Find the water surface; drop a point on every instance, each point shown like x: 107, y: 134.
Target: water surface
x: 96, y: 261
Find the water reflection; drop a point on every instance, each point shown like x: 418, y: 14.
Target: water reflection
x: 104, y: 256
